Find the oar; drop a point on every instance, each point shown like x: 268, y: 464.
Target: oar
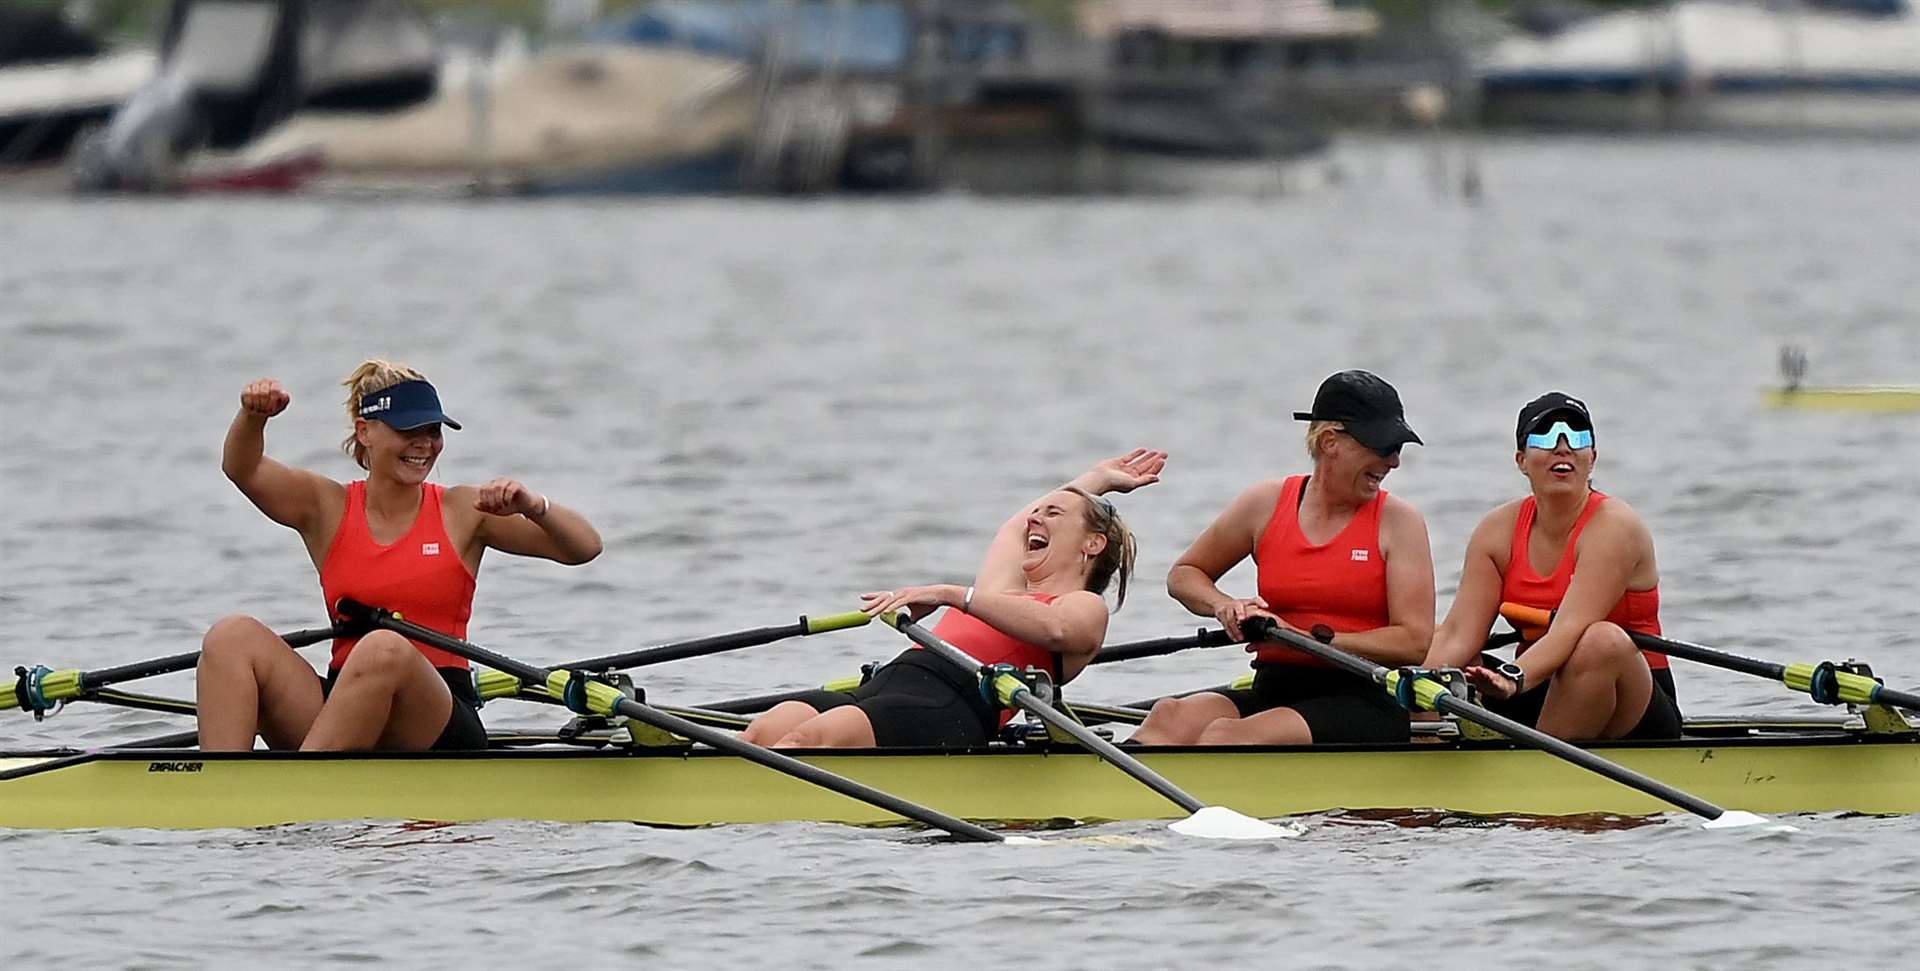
x: 589, y: 697
x: 1214, y: 822
x: 40, y: 689
x: 1132, y: 650
x: 1427, y: 693
x: 1825, y: 682
x: 498, y: 684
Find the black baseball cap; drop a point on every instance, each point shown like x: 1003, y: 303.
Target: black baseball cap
x: 406, y: 406
x: 1366, y: 405
x: 1547, y: 405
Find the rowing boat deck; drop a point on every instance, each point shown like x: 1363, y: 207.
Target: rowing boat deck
x: 1768, y: 773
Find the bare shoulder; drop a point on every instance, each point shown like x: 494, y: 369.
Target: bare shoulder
x: 1495, y: 531
x: 1398, y: 511
x: 1616, y: 518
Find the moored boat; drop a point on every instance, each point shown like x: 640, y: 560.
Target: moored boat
x: 1766, y: 767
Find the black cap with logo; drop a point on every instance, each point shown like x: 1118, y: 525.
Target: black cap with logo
x: 1366, y: 405
x: 1547, y: 405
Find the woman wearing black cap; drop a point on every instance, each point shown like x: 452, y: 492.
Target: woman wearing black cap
x: 1338, y: 559
x: 392, y: 540
x: 1566, y: 548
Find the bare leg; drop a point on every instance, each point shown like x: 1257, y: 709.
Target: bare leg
x: 774, y: 723
x: 1601, y: 691
x: 843, y: 727
x: 1275, y: 726
x: 388, y: 697
x: 249, y: 682
x: 1181, y: 721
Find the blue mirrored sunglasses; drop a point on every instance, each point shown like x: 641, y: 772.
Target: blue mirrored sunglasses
x: 1576, y: 437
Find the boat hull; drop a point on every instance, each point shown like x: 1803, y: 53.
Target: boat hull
x: 190, y: 790
x: 1862, y: 398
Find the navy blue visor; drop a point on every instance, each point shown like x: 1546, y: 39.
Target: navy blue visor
x: 406, y: 406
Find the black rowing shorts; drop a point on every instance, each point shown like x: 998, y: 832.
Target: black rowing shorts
x: 918, y: 700
x: 1337, y: 706
x: 1662, y: 719
x: 464, y: 730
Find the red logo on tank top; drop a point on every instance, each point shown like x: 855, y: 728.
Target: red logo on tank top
x: 1360, y: 556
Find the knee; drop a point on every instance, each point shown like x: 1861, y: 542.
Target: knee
x: 802, y: 737
x: 1166, y: 713
x: 1220, y: 731
x: 232, y: 636
x: 1603, y: 646
x: 381, y: 653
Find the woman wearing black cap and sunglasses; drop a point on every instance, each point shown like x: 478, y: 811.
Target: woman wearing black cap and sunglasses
x: 1568, y: 548
x: 393, y: 540
x: 1338, y: 559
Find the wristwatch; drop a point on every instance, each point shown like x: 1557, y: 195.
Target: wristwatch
x: 1514, y: 673
x: 1322, y: 633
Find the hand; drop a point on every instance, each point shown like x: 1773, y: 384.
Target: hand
x: 265, y: 398
x: 1234, y: 613
x: 918, y: 601
x: 1491, y: 683
x: 504, y: 497
x: 1124, y: 473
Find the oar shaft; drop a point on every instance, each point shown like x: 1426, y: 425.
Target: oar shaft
x: 1161, y: 645
x: 604, y: 698
x: 1845, y: 686
x: 181, y: 662
x: 1023, y: 699
x: 720, y: 643
x: 1439, y: 698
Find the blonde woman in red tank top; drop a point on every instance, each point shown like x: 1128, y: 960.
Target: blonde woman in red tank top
x: 1339, y: 559
x: 1036, y: 601
x: 1569, y: 548
x: 395, y: 540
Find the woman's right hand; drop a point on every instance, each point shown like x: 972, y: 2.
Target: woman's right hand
x: 1233, y: 613
x: 265, y: 398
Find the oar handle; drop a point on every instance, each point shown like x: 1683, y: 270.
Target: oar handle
x: 1521, y: 615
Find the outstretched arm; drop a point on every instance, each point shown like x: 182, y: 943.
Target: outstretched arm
x: 1000, y: 570
x: 289, y: 496
x: 1460, y: 637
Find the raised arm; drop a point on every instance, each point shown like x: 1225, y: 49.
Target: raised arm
x: 1228, y: 540
x: 515, y: 519
x: 1460, y: 637
x: 1409, y: 555
x: 292, y: 497
x: 1000, y: 569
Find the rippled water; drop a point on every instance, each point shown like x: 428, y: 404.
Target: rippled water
x: 768, y: 407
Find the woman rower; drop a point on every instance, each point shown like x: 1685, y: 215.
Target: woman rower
x: 392, y: 540
x: 1583, y: 678
x: 1339, y: 560
x: 1036, y: 602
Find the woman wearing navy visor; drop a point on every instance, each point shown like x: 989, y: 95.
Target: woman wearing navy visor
x: 1568, y: 548
x: 1338, y: 559
x: 393, y: 540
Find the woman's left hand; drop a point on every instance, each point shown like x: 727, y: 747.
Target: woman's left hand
x: 1491, y: 683
x: 1124, y: 473
x: 917, y: 601
x: 505, y: 497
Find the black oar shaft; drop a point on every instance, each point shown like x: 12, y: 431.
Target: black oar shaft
x: 530, y: 674
x: 182, y: 662
x: 1024, y: 700
x: 1160, y: 646
x: 1796, y: 676
x: 1445, y: 701
x: 694, y: 648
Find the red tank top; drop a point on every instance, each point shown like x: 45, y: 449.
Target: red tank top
x: 1341, y: 583
x: 985, y: 643
x: 1638, y: 610
x: 420, y: 576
